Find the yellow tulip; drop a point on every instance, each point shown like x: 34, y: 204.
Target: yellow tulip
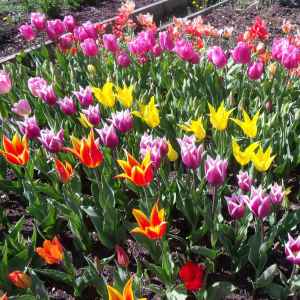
x: 262, y: 161
x: 288, y: 190
x: 172, y: 154
x: 84, y: 122
x: 106, y: 96
x: 125, y: 96
x: 243, y: 157
x: 196, y: 127
x: 219, y: 119
x: 249, y: 127
x: 149, y: 113
x: 272, y: 68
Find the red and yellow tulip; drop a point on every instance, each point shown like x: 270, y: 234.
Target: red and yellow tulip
x: 4, y: 297
x: 86, y: 151
x: 153, y: 229
x: 16, y: 151
x: 65, y: 173
x: 20, y: 279
x: 51, y: 252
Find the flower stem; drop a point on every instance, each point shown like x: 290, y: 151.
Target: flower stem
x: 214, y: 202
x: 165, y: 258
x: 55, y: 109
x: 79, y: 131
x: 158, y: 183
x: 262, y: 230
x: 293, y: 272
x: 31, y: 183
x: 251, y: 90
x: 236, y: 228
x: 148, y: 203
x: 98, y: 177
x: 195, y: 179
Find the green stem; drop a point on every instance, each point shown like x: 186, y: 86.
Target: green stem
x: 54, y: 107
x: 30, y: 180
x: 165, y: 258
x: 293, y: 272
x: 98, y: 177
x: 158, y: 183
x: 147, y: 198
x: 262, y: 230
x: 79, y: 131
x: 9, y: 100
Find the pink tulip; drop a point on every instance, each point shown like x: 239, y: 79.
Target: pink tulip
x: 80, y: 34
x: 90, y: 30
x: 35, y: 84
x: 165, y: 41
x: 236, y: 206
x: 22, y: 108
x: 69, y: 23
x: 215, y: 170
x: 92, y: 114
x: 27, y: 32
x: 52, y: 37
x: 163, y: 145
x: 155, y: 156
x: 186, y: 139
x: 5, y: 83
x: 191, y: 155
x: 51, y: 141
x: 89, y: 47
x: 30, y: 127
x: 65, y: 42
x: 241, y: 53
x: 56, y: 27
x: 276, y: 194
x: 196, y: 59
x: 217, y: 56
x: 269, y: 105
x: 123, y: 259
x: 108, y: 136
x: 135, y: 47
x: 255, y: 69
x: 292, y: 250
x: 147, y: 40
x: 277, y: 47
x: 148, y: 142
x: 245, y: 181
x: 143, y: 58
x: 122, y: 121
x: 110, y: 42
x: 38, y: 21
x: 184, y: 50
x: 290, y: 56
x: 47, y: 94
x: 123, y: 59
x: 157, y: 50
x: 85, y: 97
x: 67, y: 106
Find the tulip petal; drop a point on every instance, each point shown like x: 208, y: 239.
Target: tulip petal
x: 113, y: 294
x: 137, y: 175
x: 142, y: 220
x: 127, y: 292
x: 12, y: 158
x: 18, y: 145
x: 76, y: 144
x: 8, y: 145
x: 139, y: 230
x: 131, y: 160
x: 154, y: 215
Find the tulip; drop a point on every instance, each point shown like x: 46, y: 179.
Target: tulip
x: 125, y: 96
x: 241, y: 53
x: 106, y: 96
x: 147, y: 141
x: 5, y: 83
x: 123, y: 59
x: 215, y: 170
x: 219, y: 119
x: 269, y: 105
x: 191, y: 156
x: 149, y: 113
x: 30, y: 126
x: 92, y: 69
x: 249, y: 126
x: 228, y: 31
x: 38, y: 21
x: 67, y: 106
x: 86, y: 151
x: 16, y: 151
x: 89, y: 47
x: 110, y: 42
x: 50, y: 141
x: 147, y: 40
x: 236, y: 206
x: 262, y: 161
x: 186, y: 139
x: 83, y: 120
x: 27, y: 32
x: 123, y: 259
x: 157, y: 50
x: 255, y: 69
x: 217, y: 56
x: 193, y: 276
x: 286, y: 27
x: 292, y: 250
x: 277, y: 47
x: 243, y: 157
x: 69, y: 23
x: 4, y: 297
x: 22, y: 108
x: 165, y: 41
x: 290, y: 56
x: 108, y: 136
x: 196, y: 127
x: 56, y: 27
x: 80, y: 34
x: 85, y: 97
x: 90, y: 30
x: 122, y: 121
x: 196, y: 59
x: 65, y: 173
x: 51, y: 252
x: 184, y: 50
x: 136, y: 173
x: 65, y: 42
x: 143, y: 58
x: 155, y: 156
x: 93, y: 114
x: 34, y: 84
x: 20, y: 279
x: 163, y: 145
x: 276, y: 194
x: 145, y: 19
x: 135, y: 47
x: 172, y: 154
x: 47, y: 94
x: 52, y: 37
x: 97, y: 264
x: 154, y: 228
x: 258, y: 204
x: 245, y: 181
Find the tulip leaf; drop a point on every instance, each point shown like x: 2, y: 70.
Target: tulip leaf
x: 275, y: 291
x: 38, y: 287
x: 62, y: 62
x: 266, y: 277
x: 219, y: 290
x: 208, y: 253
x: 24, y: 297
x: 158, y: 272
x: 254, y: 257
x: 58, y: 276
x: 154, y: 290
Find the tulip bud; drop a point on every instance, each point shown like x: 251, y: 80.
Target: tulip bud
x: 20, y: 279
x: 241, y: 104
x: 73, y: 72
x: 296, y: 139
x: 92, y: 69
x: 13, y: 69
x: 269, y: 105
x: 123, y: 259
x: 158, y: 94
x: 63, y: 78
x: 232, y: 99
x: 131, y: 81
x: 220, y: 80
x: 97, y: 264
x: 53, y: 69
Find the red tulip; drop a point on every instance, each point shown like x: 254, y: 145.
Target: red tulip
x: 193, y: 276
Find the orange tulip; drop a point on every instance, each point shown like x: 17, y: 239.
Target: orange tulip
x: 138, y: 174
x: 65, y: 172
x: 153, y: 229
x: 52, y: 251
x: 4, y: 297
x: 113, y: 294
x: 16, y: 151
x: 86, y: 150
x: 20, y: 279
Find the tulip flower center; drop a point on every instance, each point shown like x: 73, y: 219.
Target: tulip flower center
x: 295, y: 253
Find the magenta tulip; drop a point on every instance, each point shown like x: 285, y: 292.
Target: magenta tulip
x: 135, y: 47
x: 38, y: 21
x: 85, y: 97
x: 52, y: 37
x: 245, y: 181
x: 191, y: 155
x: 108, y: 136
x: 269, y: 105
x: 80, y: 34
x: 122, y: 121
x: 92, y: 114
x: 110, y: 42
x: 5, y: 83
x: 290, y: 56
x: 47, y: 94
x: 147, y: 40
x: 255, y: 69
x: 30, y: 126
x: 277, y: 47
x: 90, y: 30
x: 155, y: 156
x: 157, y: 50
x: 67, y: 106
x: 165, y: 41
x: 292, y: 250
x: 22, y: 108
x: 51, y: 141
x: 89, y: 47
x: 241, y: 53
x: 186, y: 139
x: 215, y: 170
x: 143, y: 58
x: 56, y: 27
x: 276, y: 194
x: 217, y: 56
x: 27, y: 32
x: 69, y: 23
x: 163, y: 145
x: 65, y: 42
x: 35, y: 84
x: 184, y: 50
x: 123, y: 59
x: 196, y: 59
x: 236, y: 206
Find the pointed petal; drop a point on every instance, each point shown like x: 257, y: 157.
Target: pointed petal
x: 127, y: 292
x: 137, y: 175
x: 142, y: 220
x: 155, y: 221
x: 113, y: 294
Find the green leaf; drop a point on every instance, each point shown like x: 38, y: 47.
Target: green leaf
x: 58, y: 276
x: 158, y: 272
x: 38, y: 287
x: 219, y: 290
x: 62, y: 62
x: 266, y: 277
x: 154, y: 290
x: 208, y: 253
x: 275, y: 291
x: 254, y: 257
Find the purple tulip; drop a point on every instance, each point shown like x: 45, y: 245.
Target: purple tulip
x: 85, y: 97
x: 215, y: 170
x: 184, y: 50
x: 5, y: 83
x: 56, y: 27
x: 165, y: 41
x: 191, y: 155
x: 67, y: 106
x: 80, y: 34
x: 108, y: 136
x: 217, y: 56
x: 241, y: 53
x: 35, y: 84
x: 47, y: 94
x: 147, y: 142
x: 38, y: 21
x: 27, y: 32
x: 290, y: 56
x: 135, y: 47
x: 143, y: 58
x: 292, y: 250
x: 89, y: 47
x: 245, y: 181
x: 163, y: 145
x: 69, y: 23
x: 186, y: 139
x: 52, y: 143
x: 123, y: 59
x: 236, y: 206
x: 30, y: 127
x: 92, y: 114
x: 155, y: 156
x: 22, y: 108
x: 277, y: 48
x: 255, y: 69
x: 196, y: 59
x: 259, y: 205
x: 122, y: 121
x: 110, y: 42
x: 90, y: 30
x: 276, y: 194
x: 157, y: 50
